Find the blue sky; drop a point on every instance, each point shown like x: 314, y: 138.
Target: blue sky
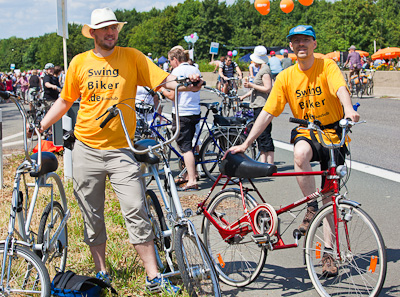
x: 32, y: 18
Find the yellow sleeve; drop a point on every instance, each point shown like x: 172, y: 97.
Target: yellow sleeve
x: 71, y: 91
x: 335, y: 77
x: 277, y: 98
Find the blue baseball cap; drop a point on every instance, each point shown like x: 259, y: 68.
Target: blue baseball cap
x: 302, y: 30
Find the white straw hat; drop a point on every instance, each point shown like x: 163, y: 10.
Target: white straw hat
x: 260, y: 55
x: 101, y: 18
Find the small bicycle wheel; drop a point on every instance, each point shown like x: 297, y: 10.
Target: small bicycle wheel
x: 198, y: 274
x: 238, y: 260
x: 361, y: 268
x: 55, y: 257
x: 158, y: 225
x: 24, y: 273
x: 214, y: 147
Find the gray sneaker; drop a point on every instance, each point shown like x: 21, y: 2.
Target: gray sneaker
x: 307, y: 219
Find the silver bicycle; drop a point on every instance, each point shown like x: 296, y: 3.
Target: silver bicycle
x: 176, y: 236
x: 31, y: 254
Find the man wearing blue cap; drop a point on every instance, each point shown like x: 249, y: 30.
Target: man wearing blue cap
x: 315, y: 89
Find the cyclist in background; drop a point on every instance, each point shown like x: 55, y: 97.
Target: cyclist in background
x: 315, y: 89
x: 354, y: 59
x: 227, y: 70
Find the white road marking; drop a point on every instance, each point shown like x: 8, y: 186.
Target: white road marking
x: 383, y: 173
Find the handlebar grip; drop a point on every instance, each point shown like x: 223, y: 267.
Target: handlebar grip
x: 108, y: 118
x: 208, y: 88
x: 298, y: 121
x: 4, y: 94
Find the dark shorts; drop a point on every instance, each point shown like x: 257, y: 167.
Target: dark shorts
x: 187, y: 130
x: 264, y: 141
x: 321, y: 155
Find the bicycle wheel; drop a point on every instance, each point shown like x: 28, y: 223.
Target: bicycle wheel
x: 166, y: 134
x: 158, y: 225
x: 199, y: 277
x: 358, y: 90
x: 55, y: 257
x: 214, y: 147
x: 238, y: 260
x: 370, y: 87
x: 362, y: 263
x: 225, y: 108
x: 24, y: 273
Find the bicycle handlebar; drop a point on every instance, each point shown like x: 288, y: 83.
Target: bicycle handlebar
x: 345, y: 124
x: 35, y: 166
x: 114, y: 111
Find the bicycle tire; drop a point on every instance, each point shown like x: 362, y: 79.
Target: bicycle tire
x: 158, y: 225
x: 60, y: 250
x: 371, y: 88
x: 358, y: 90
x: 225, y: 108
x: 27, y: 275
x: 199, y: 277
x: 358, y: 273
x: 213, y: 150
x: 238, y: 263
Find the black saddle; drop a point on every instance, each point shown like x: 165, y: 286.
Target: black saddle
x: 212, y: 106
x: 149, y: 157
x: 49, y: 163
x: 244, y: 104
x: 242, y: 166
x: 228, y: 121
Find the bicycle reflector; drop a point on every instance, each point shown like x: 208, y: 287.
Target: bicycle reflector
x: 318, y: 250
x: 372, y: 264
x: 221, y: 262
x: 341, y: 170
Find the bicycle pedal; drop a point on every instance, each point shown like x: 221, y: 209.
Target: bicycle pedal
x: 297, y: 234
x: 261, y: 238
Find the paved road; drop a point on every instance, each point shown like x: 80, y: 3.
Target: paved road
x: 374, y: 144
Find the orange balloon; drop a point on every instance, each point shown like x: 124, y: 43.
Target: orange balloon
x: 306, y: 2
x: 287, y: 6
x: 262, y: 6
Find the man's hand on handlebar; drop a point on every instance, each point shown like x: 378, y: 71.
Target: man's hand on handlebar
x: 352, y: 114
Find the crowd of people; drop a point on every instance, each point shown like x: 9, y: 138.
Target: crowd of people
x: 46, y: 83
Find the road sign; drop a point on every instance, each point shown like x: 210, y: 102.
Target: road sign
x: 214, y: 48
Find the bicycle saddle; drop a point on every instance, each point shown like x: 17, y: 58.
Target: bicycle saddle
x: 242, y: 166
x: 149, y: 158
x: 228, y: 121
x: 210, y: 105
x: 49, y: 163
x: 244, y: 104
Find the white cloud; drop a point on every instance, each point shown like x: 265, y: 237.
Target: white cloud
x: 34, y: 18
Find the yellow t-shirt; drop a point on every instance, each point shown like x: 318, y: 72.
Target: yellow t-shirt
x: 310, y: 94
x: 103, y: 82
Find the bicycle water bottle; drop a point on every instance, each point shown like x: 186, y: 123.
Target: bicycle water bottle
x: 356, y: 106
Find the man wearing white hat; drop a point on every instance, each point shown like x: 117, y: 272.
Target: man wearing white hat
x: 258, y: 97
x: 102, y: 77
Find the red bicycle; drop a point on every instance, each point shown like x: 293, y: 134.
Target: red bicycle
x: 238, y: 231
